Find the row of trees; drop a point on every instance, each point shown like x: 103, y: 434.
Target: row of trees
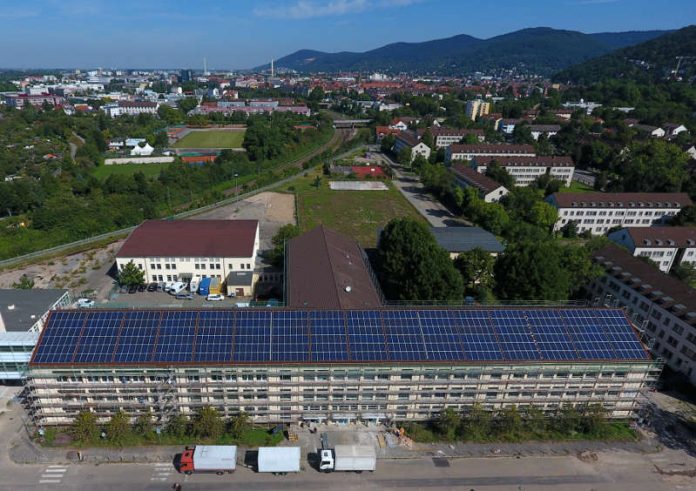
x: 512, y: 424
x: 206, y: 424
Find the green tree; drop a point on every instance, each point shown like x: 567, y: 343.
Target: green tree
x: 427, y: 138
x: 499, y: 174
x: 476, y: 424
x: 239, y: 424
x: 207, y: 423
x: 686, y: 272
x: 448, y: 423
x: 654, y: 166
x: 686, y: 216
x: 188, y: 104
x: 144, y: 424
x: 413, y: 266
x: 84, y: 427
x: 118, y: 428
x: 178, y: 426
x: 24, y: 283
x: 508, y: 422
x: 543, y: 215
x: 387, y: 143
x: 567, y: 420
x: 404, y: 157
x: 534, y: 420
x: 476, y: 268
x: 570, y: 230
x: 593, y: 420
x: 522, y: 134
x: 131, y: 275
x: 284, y: 234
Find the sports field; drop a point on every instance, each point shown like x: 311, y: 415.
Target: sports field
x: 212, y: 139
x: 150, y: 170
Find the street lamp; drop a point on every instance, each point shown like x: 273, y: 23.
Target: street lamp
x: 236, y: 190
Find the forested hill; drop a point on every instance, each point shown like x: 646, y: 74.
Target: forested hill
x: 650, y: 61
x: 540, y: 50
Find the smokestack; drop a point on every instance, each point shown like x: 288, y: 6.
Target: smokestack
x: 272, y: 69
x: 205, y: 66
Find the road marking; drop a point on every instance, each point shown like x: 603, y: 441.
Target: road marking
x: 49, y: 481
x: 161, y: 479
x: 55, y: 470
x: 56, y: 467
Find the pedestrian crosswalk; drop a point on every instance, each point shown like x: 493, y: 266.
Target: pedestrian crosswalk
x: 161, y: 472
x: 53, y: 474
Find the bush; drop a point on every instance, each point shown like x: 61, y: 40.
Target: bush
x: 84, y: 428
x: 118, y: 428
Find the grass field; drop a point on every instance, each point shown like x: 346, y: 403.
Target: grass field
x: 150, y: 170
x: 576, y: 187
x: 357, y: 214
x: 212, y: 139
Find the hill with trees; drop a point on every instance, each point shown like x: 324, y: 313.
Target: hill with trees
x: 540, y: 50
x: 650, y: 61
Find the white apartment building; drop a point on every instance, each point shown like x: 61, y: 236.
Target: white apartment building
x: 477, y: 108
x: 371, y: 365
x: 410, y: 141
x: 444, y: 137
x: 526, y: 170
x: 180, y: 250
x: 662, y: 307
x: 599, y: 212
x: 665, y: 246
x: 131, y: 108
x: 469, y: 152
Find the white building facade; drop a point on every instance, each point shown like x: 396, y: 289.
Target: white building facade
x: 526, y: 170
x: 665, y: 246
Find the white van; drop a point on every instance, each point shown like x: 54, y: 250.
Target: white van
x: 177, y: 287
x: 193, y: 286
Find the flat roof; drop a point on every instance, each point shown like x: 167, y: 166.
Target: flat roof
x: 279, y: 337
x: 191, y: 238
x: 21, y: 309
x: 463, y: 239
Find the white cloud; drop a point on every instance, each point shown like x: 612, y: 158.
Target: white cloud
x: 305, y: 9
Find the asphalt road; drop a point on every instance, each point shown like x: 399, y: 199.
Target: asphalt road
x: 551, y: 473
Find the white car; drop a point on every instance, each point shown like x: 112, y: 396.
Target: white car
x: 215, y: 297
x: 84, y: 303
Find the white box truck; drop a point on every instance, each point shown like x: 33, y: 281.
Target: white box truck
x: 348, y: 458
x: 279, y: 460
x: 209, y: 458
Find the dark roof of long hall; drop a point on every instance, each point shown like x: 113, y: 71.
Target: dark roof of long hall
x: 191, y: 238
x: 464, y: 239
x: 327, y: 270
x: 95, y: 337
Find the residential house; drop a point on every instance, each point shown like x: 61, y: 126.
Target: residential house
x: 507, y: 126
x: 382, y: 131
x: 548, y: 130
x: 469, y: 151
x: 444, y: 136
x: 490, y: 190
x: 598, y: 212
x: 526, y: 170
x: 665, y: 246
x: 402, y: 123
x: 652, y: 131
x: 673, y: 130
x: 662, y: 307
x: 408, y: 140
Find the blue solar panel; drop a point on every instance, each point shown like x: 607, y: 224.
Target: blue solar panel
x: 138, y: 335
x: 366, y: 336
x: 290, y: 336
x: 58, y: 343
x: 284, y: 336
x: 177, y: 333
x: 328, y: 340
x: 441, y: 333
x: 215, y: 336
x: 252, y: 340
x: 99, y: 337
x: 404, y: 335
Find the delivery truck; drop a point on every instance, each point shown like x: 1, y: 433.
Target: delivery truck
x: 348, y: 458
x: 279, y: 460
x: 219, y: 459
x: 204, y: 287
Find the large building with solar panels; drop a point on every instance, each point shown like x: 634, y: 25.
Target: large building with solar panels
x: 285, y: 365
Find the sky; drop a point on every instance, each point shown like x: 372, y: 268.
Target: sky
x: 247, y: 33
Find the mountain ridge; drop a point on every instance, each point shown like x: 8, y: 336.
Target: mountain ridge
x: 543, y: 49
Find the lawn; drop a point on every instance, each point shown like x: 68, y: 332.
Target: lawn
x: 150, y: 170
x: 212, y: 139
x: 357, y: 214
x: 576, y: 187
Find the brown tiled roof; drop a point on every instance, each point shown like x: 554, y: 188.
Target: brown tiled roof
x: 408, y: 138
x: 663, y: 236
x: 501, y: 149
x: 327, y: 270
x: 137, y: 104
x: 666, y: 291
x: 540, y: 161
x: 474, y: 178
x: 622, y: 200
x: 446, y: 131
x: 191, y: 238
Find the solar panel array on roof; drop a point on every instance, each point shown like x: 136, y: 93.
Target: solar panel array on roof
x: 331, y: 336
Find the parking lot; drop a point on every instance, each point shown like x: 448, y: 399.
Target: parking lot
x: 161, y: 299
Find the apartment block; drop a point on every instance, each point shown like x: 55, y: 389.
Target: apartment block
x: 665, y: 246
x: 526, y: 170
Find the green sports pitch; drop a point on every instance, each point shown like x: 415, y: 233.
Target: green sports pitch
x: 212, y: 139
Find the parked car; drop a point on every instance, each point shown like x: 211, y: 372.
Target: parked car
x: 152, y: 287
x: 141, y: 288
x: 160, y: 287
x: 132, y: 289
x: 84, y: 303
x: 184, y: 296
x: 215, y: 297
x: 123, y: 289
